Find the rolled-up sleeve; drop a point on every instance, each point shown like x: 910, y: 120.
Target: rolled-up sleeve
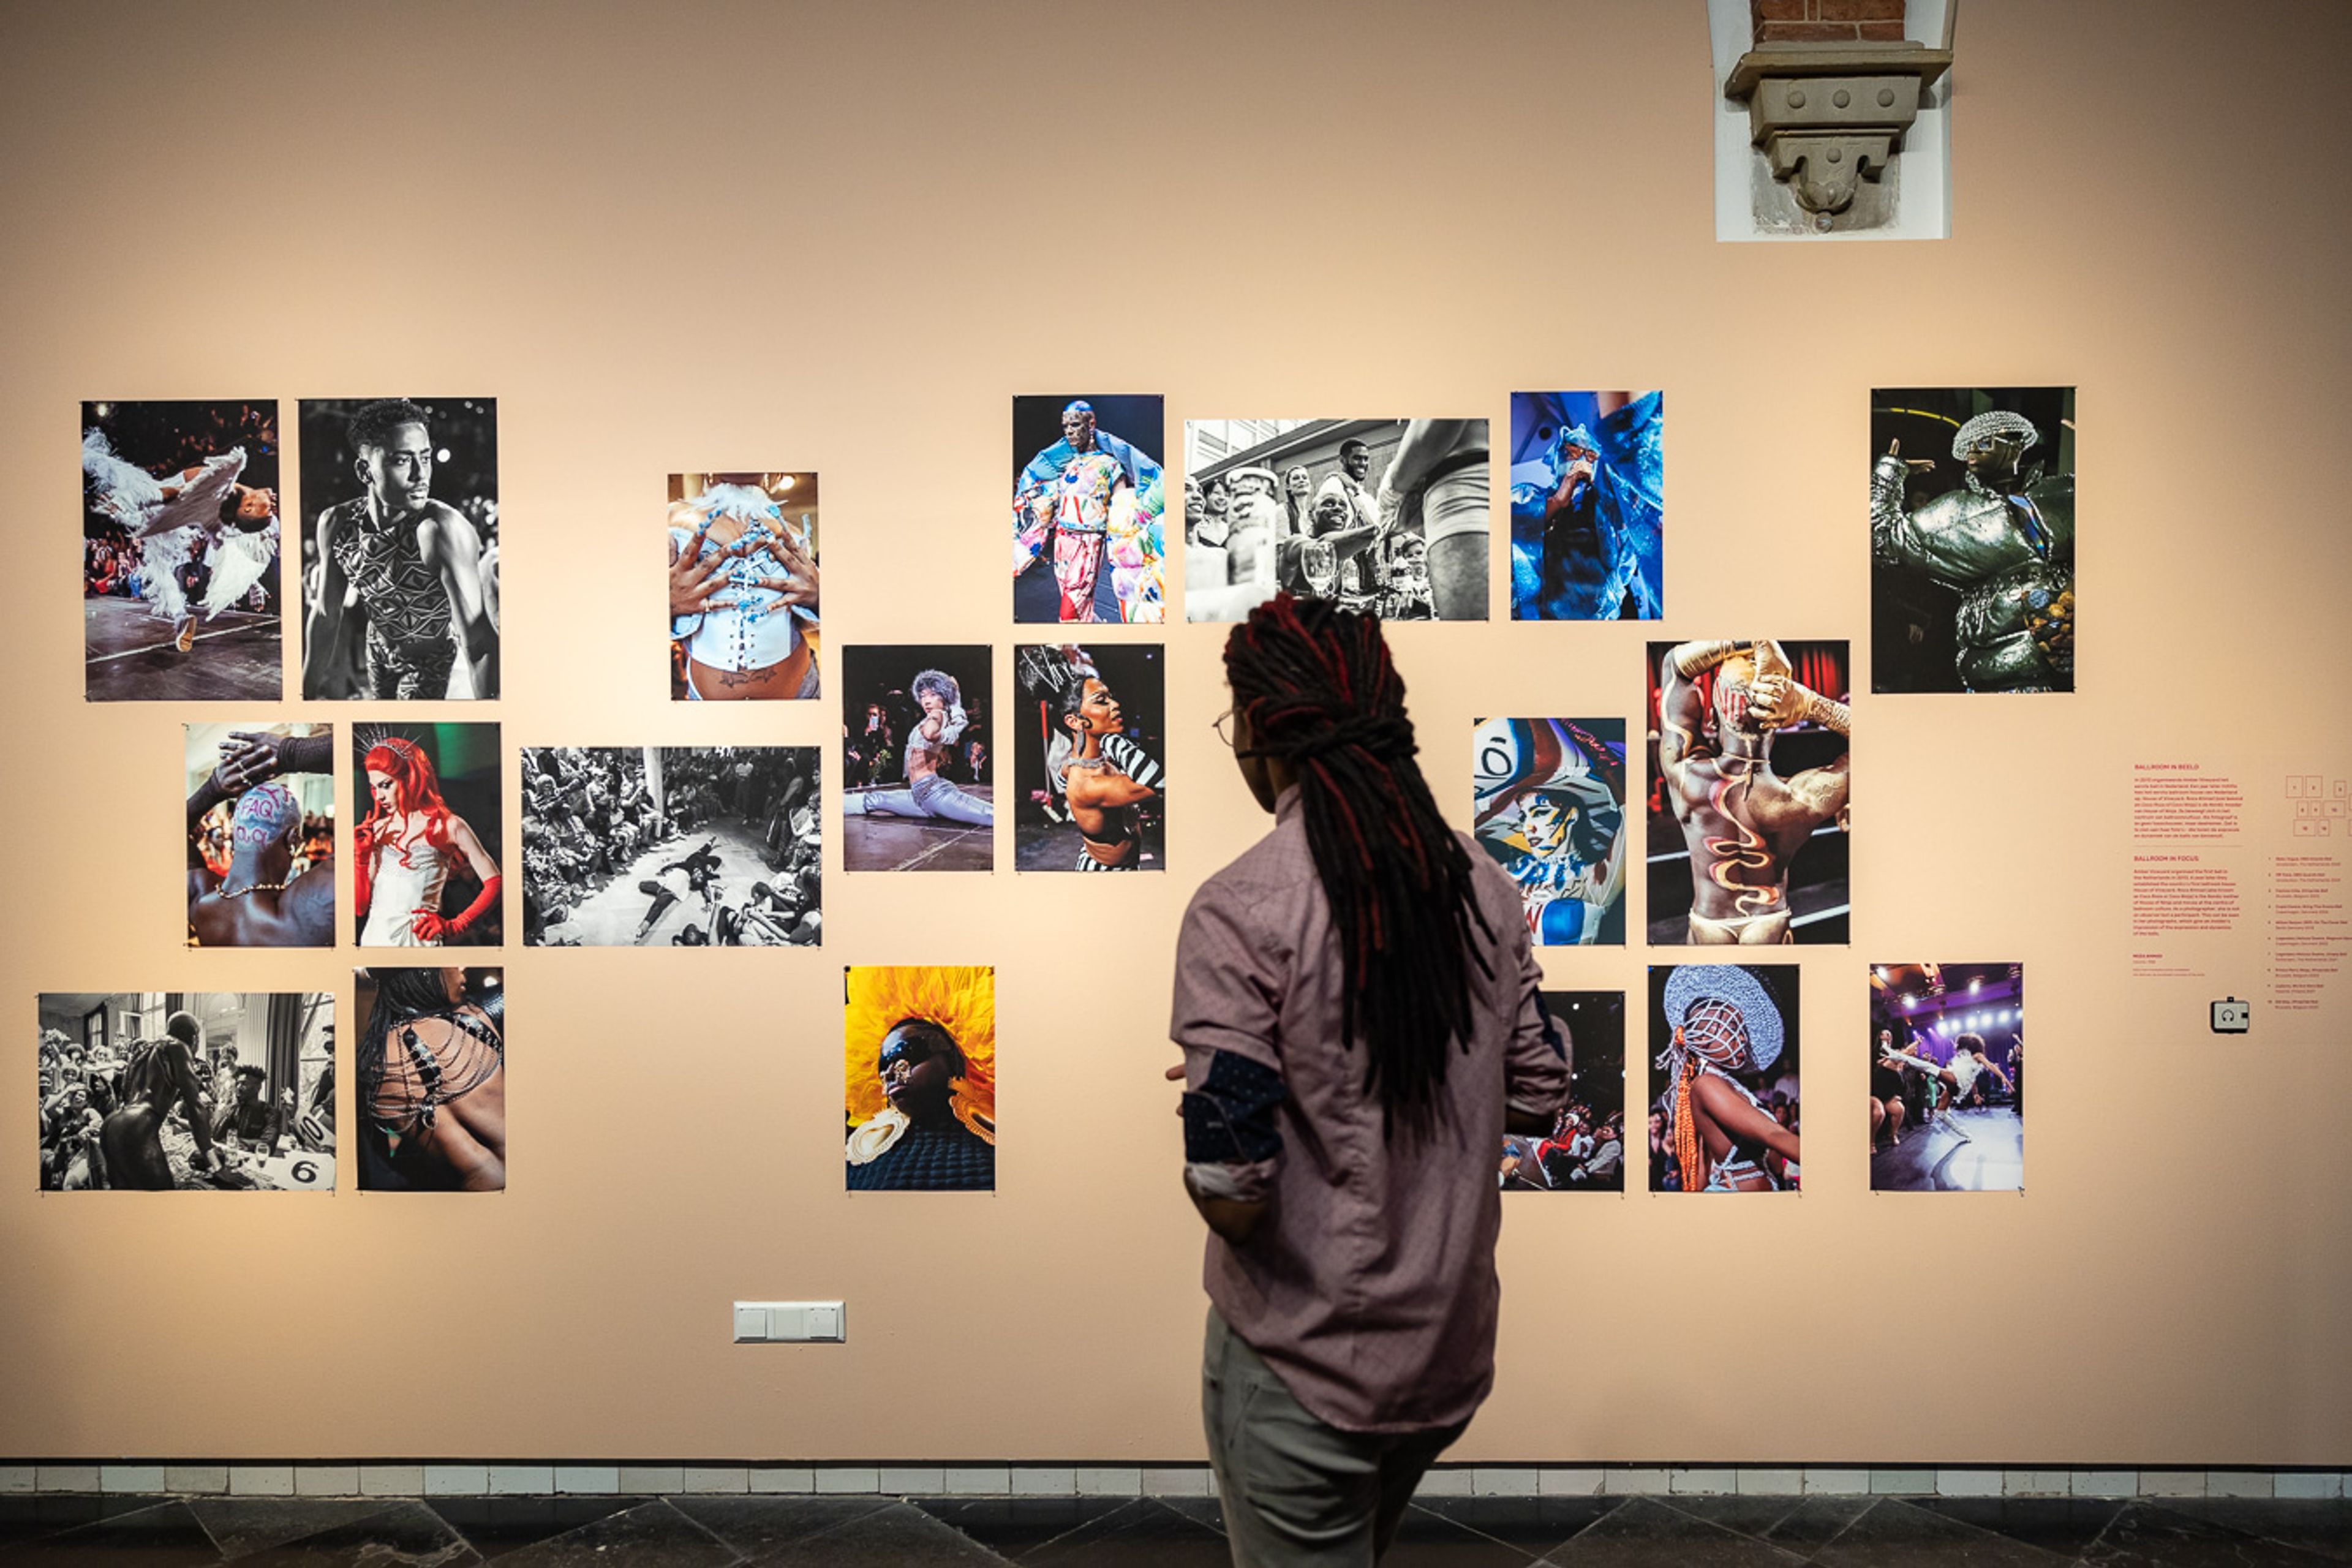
x: 1228, y: 997
x: 1536, y: 1064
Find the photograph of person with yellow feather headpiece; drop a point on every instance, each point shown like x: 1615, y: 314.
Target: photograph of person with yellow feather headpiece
x: 921, y: 1048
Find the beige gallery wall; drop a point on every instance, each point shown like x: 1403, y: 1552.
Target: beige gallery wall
x: 841, y: 237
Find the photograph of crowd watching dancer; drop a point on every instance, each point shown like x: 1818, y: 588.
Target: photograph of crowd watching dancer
x: 228, y: 1091
x: 1585, y: 1149
x: 261, y: 835
x: 742, y: 586
x: 1948, y: 1078
x: 1086, y: 502
x: 918, y: 792
x: 1548, y: 802
x: 1384, y: 517
x: 1723, y: 1099
x: 1087, y: 747
x: 431, y: 1070
x: 675, y: 846
x: 1748, y: 794
x: 425, y: 851
x: 1588, y: 506
x: 179, y: 525
x: 920, y: 1047
x: 400, y: 564
x: 1972, y: 538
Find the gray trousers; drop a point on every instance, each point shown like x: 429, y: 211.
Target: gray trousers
x: 1296, y: 1491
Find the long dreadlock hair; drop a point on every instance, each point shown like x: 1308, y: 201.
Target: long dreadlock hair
x: 1319, y: 692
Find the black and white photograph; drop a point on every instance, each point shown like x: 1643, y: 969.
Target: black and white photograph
x: 1948, y: 1078
x: 1086, y: 501
x: 400, y: 548
x: 672, y: 845
x: 918, y: 773
x: 161, y: 1090
x: 426, y: 850
x: 1724, y: 1079
x: 430, y: 1076
x: 1585, y: 1149
x: 1089, y: 748
x: 1387, y: 517
x: 259, y: 869
x: 179, y: 543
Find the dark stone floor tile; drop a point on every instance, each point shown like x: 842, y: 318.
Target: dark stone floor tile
x: 651, y: 1534
x: 1646, y: 1533
x: 27, y: 1516
x: 1013, y: 1525
x: 756, y: 1526
x: 1815, y: 1521
x: 2144, y: 1535
x: 1206, y: 1510
x: 160, y: 1535
x: 1753, y: 1515
x: 1534, y: 1525
x: 898, y: 1536
x: 1892, y: 1533
x: 1142, y: 1534
x: 2066, y: 1526
x: 495, y: 1526
x: 407, y: 1533
x: 241, y: 1526
x: 2316, y: 1524
x: 1428, y: 1539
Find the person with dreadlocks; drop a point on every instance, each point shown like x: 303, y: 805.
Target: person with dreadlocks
x: 920, y: 1044
x: 406, y: 847
x: 1728, y: 1033
x: 1358, y: 1005
x: 432, y: 1069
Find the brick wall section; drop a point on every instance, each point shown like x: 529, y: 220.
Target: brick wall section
x: 1826, y: 21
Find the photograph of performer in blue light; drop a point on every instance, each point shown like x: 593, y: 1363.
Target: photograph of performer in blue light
x: 1548, y: 804
x: 1948, y: 1078
x: 1588, y: 506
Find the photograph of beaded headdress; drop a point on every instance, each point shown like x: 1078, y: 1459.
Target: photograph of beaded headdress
x: 1548, y: 803
x: 179, y: 543
x: 1723, y: 1087
x: 260, y: 869
x: 425, y: 848
x: 1585, y: 1149
x: 202, y: 1091
x: 1087, y: 741
x: 672, y: 845
x: 431, y: 1079
x: 1948, y: 1078
x: 920, y: 1047
x: 1972, y: 538
x: 918, y: 770
x: 1748, y: 800
x: 1086, y: 501
x: 1588, y: 506
x: 742, y: 586
x: 1388, y: 517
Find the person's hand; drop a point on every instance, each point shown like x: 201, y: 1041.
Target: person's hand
x: 797, y: 586
x: 1176, y: 1075
x: 1775, y: 702
x: 696, y: 580
x: 1916, y: 465
x: 430, y: 927
x: 213, y: 1161
x: 248, y: 758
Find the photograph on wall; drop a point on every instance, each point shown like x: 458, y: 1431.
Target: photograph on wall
x: 1548, y: 802
x: 180, y: 584
x: 400, y: 548
x: 672, y: 845
x: 430, y: 1080
x: 742, y: 586
x: 1089, y: 741
x: 1723, y: 1087
x: 426, y: 848
x: 1385, y: 516
x: 1087, y: 503
x: 1948, y: 1078
x: 918, y: 773
x: 1748, y: 794
x: 156, y: 1090
x: 1588, y: 506
x: 261, y: 835
x: 1585, y: 1149
x: 1972, y: 538
x: 920, y: 1045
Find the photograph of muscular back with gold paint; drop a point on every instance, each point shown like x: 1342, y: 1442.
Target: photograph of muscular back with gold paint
x: 1748, y: 792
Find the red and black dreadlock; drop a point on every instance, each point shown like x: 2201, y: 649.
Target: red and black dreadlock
x: 1319, y: 692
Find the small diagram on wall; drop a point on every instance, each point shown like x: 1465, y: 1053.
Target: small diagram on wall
x: 427, y: 849
x: 742, y: 586
x: 400, y: 548
x: 1585, y: 1149
x: 1722, y: 1079
x: 217, y: 1091
x: 180, y: 539
x: 1385, y: 516
x: 917, y: 774
x: 430, y: 1074
x: 1948, y: 1078
x: 1747, y: 799
x: 920, y: 1042
x: 1088, y: 744
x: 1548, y: 802
x: 1972, y: 538
x: 260, y: 867
x: 672, y: 846
x: 1588, y: 506
x: 1087, y: 498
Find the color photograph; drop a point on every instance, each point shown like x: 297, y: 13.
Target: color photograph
x: 1548, y: 805
x: 1948, y: 1078
x: 1723, y: 1087
x: 1585, y: 1149
x: 426, y: 848
x: 431, y: 1077
x: 1086, y: 502
x: 918, y: 773
x: 1588, y: 506
x: 920, y: 1047
x: 260, y: 869
x: 743, y: 587
x: 1087, y: 743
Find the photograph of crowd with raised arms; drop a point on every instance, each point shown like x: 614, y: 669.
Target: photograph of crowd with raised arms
x: 742, y: 586
x: 1588, y: 506
x: 1088, y: 745
x: 261, y: 865
x: 1585, y: 1149
x: 1087, y: 497
x: 1724, y: 1081
x: 918, y: 773
x: 1948, y: 1078
x: 180, y: 545
x: 1548, y: 805
x: 430, y: 1080
x: 425, y: 847
x: 919, y: 1048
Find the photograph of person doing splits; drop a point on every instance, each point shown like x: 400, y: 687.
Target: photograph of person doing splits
x: 180, y: 516
x: 1748, y: 847
x: 432, y: 1075
x: 1724, y: 1042
x: 920, y: 1047
x: 1087, y: 543
x: 261, y: 835
x: 1948, y: 1078
x: 940, y: 815
x: 422, y: 876
x: 742, y: 586
x: 1088, y: 783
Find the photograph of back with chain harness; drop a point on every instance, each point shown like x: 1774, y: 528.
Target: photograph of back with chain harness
x: 431, y: 1071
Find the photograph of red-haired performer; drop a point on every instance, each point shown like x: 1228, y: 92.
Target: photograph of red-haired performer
x: 422, y: 874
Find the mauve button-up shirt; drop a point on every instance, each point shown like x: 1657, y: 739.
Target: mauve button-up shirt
x: 1369, y: 1288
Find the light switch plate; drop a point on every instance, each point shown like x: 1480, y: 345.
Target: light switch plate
x: 789, y: 1322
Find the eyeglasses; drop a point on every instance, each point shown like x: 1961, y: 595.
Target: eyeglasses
x: 1224, y: 725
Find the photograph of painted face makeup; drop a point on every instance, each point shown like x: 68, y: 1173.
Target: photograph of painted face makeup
x: 1548, y: 803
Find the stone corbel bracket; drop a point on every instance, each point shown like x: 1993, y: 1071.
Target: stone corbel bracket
x: 1829, y: 116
